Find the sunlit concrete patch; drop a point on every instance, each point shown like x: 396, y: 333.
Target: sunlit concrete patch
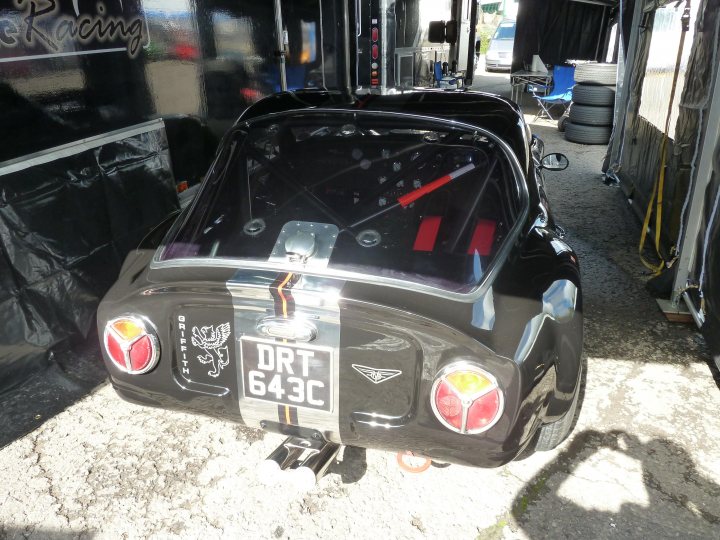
x: 606, y: 481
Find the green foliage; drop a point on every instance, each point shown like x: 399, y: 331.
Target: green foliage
x: 484, y: 36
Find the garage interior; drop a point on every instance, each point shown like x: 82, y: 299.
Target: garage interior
x: 97, y: 146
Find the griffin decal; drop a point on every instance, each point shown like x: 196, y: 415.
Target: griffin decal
x: 212, y: 340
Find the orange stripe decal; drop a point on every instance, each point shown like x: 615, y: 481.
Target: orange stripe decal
x: 282, y: 296
x: 284, y: 300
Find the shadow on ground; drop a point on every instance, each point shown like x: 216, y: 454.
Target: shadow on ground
x: 73, y: 372
x: 43, y: 534
x: 353, y: 465
x: 581, y: 493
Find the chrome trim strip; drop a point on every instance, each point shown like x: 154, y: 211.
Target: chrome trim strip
x: 76, y: 147
x: 471, y: 296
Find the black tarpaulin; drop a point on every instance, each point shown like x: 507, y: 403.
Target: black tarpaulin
x: 559, y: 30
x: 66, y: 223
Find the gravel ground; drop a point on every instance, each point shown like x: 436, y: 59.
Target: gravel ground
x: 643, y: 461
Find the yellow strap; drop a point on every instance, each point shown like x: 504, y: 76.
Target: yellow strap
x: 659, y: 185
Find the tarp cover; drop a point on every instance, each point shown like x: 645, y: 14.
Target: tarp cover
x: 65, y: 228
x: 559, y: 30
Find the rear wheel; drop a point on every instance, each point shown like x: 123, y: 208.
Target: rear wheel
x: 551, y: 435
x: 563, y: 119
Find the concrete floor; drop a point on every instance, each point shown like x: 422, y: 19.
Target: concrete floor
x: 643, y: 461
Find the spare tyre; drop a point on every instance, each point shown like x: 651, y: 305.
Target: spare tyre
x: 563, y: 119
x: 590, y: 115
x: 590, y: 94
x: 595, y: 73
x: 582, y: 134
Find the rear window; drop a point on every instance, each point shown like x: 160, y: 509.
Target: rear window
x: 505, y: 31
x: 382, y: 195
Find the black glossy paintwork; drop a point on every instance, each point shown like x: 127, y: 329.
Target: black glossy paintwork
x: 392, y: 328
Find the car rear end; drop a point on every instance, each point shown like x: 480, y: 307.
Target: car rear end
x: 329, y: 283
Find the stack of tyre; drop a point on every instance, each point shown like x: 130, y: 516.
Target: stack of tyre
x: 591, y: 113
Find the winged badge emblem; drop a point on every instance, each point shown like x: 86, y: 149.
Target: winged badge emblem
x: 212, y: 340
x: 374, y: 375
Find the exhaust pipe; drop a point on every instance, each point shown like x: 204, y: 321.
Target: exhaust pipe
x: 280, y: 459
x: 314, y: 466
x: 305, y: 460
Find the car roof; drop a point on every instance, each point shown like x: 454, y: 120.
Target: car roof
x: 494, y: 113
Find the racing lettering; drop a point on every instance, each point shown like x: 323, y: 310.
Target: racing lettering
x: 183, y: 348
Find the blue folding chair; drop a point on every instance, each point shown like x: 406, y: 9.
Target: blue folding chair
x: 561, y: 93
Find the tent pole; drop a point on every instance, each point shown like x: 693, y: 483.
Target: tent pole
x: 280, y: 45
x: 346, y: 47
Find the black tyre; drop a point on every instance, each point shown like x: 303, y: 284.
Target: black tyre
x: 561, y: 123
x: 551, y: 435
x: 596, y: 74
x: 582, y: 134
x: 591, y: 115
x: 588, y: 94
x: 564, y: 118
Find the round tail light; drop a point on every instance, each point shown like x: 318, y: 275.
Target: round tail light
x: 466, y: 398
x: 131, y: 345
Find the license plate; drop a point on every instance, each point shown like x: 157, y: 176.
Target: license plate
x: 297, y: 375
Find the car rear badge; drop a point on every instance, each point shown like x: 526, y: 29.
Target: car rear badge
x: 374, y: 375
x: 212, y: 340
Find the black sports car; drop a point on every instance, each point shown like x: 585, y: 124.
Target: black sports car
x: 378, y: 271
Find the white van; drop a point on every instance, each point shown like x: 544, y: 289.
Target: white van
x: 499, y: 54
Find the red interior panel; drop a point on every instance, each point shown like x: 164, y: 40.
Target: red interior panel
x: 482, y: 238
x: 427, y: 233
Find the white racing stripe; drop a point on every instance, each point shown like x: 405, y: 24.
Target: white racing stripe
x: 315, y: 300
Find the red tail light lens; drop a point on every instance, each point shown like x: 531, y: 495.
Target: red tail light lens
x: 466, y: 398
x: 131, y: 344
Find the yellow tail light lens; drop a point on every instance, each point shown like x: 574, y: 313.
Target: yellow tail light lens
x: 127, y: 329
x: 468, y: 383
